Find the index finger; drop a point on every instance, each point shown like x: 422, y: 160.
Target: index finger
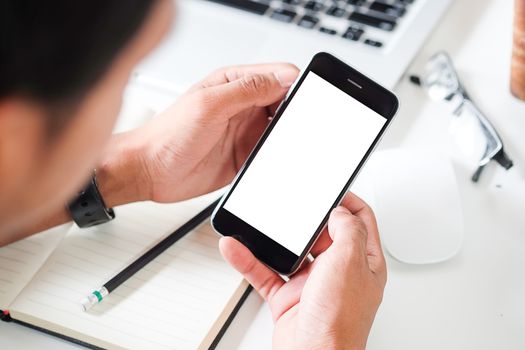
x: 229, y: 74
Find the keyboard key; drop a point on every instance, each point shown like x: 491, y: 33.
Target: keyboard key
x: 283, y: 15
x: 327, y: 31
x: 354, y: 27
x: 314, y: 6
x: 336, y: 11
x: 246, y: 5
x: 392, y: 10
x: 382, y: 22
x: 308, y: 21
x: 353, y: 34
x: 292, y: 2
x: 355, y: 2
x: 373, y: 43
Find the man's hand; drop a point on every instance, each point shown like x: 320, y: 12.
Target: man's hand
x: 195, y: 146
x: 200, y: 142
x: 331, y: 302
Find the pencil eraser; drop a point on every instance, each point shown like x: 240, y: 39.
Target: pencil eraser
x: 88, y: 302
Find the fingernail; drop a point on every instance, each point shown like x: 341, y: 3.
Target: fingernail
x: 286, y: 77
x: 341, y: 209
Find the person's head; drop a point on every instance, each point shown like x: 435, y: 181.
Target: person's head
x: 63, y: 68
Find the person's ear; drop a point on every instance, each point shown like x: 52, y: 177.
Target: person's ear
x: 22, y: 136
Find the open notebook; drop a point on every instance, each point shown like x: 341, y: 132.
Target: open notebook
x: 178, y: 301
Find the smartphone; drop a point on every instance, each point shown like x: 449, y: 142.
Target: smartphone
x: 305, y: 161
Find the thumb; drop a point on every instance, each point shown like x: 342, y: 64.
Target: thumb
x: 347, y: 230
x: 256, y: 90
x: 264, y: 280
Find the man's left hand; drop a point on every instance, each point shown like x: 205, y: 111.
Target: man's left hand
x: 200, y: 142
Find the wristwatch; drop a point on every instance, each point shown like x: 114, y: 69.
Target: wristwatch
x: 89, y: 209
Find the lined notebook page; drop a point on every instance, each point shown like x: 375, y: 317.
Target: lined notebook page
x: 20, y: 261
x: 173, y: 303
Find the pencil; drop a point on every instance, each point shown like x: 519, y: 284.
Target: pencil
x: 98, y: 295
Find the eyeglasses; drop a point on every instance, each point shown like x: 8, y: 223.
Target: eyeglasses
x: 441, y: 82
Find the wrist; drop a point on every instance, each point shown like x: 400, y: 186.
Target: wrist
x: 337, y: 343
x: 121, y: 176
x: 338, y: 337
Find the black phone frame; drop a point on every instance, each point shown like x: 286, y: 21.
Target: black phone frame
x: 356, y: 85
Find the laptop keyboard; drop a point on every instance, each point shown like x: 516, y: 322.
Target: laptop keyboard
x: 352, y: 20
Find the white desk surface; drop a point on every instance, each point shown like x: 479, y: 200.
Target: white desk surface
x: 477, y: 299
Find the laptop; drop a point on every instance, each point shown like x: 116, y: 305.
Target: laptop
x: 377, y: 37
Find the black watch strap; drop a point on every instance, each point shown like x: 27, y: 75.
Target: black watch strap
x: 89, y: 209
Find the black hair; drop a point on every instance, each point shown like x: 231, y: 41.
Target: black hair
x: 55, y: 50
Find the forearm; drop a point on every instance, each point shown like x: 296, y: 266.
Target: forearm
x: 58, y: 217
x: 120, y: 179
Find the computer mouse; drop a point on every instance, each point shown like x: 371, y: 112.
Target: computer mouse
x: 417, y: 204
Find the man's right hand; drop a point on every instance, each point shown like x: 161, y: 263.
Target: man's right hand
x: 331, y: 302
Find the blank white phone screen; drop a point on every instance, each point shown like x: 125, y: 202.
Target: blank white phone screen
x: 312, y: 151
